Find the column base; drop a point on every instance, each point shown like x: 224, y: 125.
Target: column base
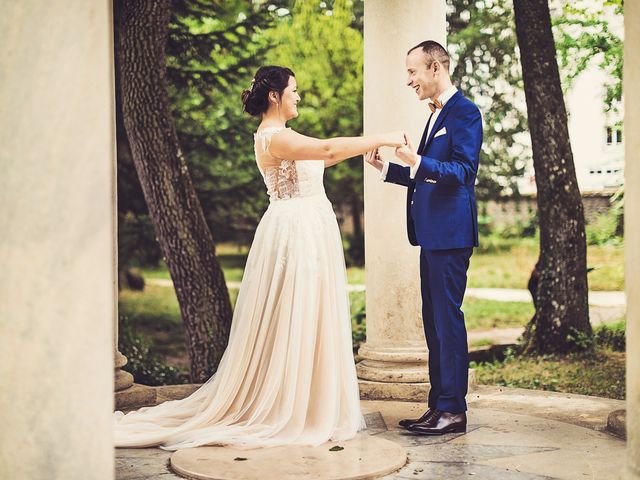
x: 135, y: 396
x: 402, y: 391
x: 617, y: 423
x: 406, y: 363
x: 122, y: 379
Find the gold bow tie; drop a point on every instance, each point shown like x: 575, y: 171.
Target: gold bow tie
x: 435, y: 104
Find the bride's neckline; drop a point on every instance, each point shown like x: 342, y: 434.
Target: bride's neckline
x: 263, y: 129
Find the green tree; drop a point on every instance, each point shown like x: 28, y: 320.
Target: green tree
x: 584, y: 38
x: 324, y: 49
x: 212, y: 50
x: 482, y: 43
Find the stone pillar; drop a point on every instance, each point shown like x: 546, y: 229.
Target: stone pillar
x: 632, y: 232
x: 394, y: 361
x: 56, y: 251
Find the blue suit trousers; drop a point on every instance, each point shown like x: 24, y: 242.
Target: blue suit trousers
x: 443, y: 275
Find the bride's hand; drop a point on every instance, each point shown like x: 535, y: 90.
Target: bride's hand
x: 395, y: 139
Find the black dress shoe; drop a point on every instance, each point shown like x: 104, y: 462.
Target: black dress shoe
x: 425, y: 416
x: 440, y: 423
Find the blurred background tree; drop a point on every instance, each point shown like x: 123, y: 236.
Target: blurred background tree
x: 317, y: 40
x: 486, y: 67
x: 584, y: 38
x: 212, y: 51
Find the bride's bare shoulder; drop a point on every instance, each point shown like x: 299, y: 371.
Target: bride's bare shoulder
x: 292, y: 145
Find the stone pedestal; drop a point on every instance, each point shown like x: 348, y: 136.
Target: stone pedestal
x: 632, y: 232
x: 364, y: 456
x: 394, y: 356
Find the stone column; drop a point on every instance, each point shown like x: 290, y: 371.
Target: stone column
x: 394, y: 361
x: 632, y: 232
x: 56, y: 247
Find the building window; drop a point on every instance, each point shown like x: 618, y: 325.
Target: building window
x: 614, y: 136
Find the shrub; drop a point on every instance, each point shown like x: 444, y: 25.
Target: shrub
x: 604, y: 229
x: 612, y: 336
x: 358, y: 321
x: 146, y: 368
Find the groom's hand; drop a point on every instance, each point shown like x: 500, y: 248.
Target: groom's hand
x: 406, y: 152
x: 373, y: 158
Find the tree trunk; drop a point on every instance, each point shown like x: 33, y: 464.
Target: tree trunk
x: 183, y: 235
x: 561, y: 322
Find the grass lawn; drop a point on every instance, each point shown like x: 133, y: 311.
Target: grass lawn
x: 602, y: 374
x: 498, y: 263
x: 483, y: 314
x: 507, y: 263
x: 233, y: 259
x: 156, y: 314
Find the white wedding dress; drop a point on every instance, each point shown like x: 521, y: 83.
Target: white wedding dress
x: 288, y: 375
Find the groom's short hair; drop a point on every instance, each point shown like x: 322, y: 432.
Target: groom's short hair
x: 433, y: 51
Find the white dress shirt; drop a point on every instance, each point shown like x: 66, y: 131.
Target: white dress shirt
x: 444, y: 97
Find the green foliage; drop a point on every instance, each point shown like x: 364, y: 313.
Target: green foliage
x: 611, y: 335
x: 483, y: 47
x: 358, y: 319
x: 604, y: 230
x: 353, y: 249
x: 212, y: 53
x: 137, y: 245
x: 580, y: 341
x: 600, y: 373
x: 485, y: 224
x: 521, y: 228
x: 147, y: 368
x: 584, y: 38
x: 320, y: 44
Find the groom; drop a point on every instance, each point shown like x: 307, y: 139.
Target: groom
x: 442, y: 219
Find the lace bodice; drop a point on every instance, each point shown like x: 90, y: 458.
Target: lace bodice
x: 286, y: 179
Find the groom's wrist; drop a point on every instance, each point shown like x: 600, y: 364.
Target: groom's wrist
x: 413, y: 169
x: 384, y: 170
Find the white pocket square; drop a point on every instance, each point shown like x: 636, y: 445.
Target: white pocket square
x: 442, y: 131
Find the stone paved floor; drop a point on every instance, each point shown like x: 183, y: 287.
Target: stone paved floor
x: 512, y: 434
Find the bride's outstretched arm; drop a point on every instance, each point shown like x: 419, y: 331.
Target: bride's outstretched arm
x: 291, y: 145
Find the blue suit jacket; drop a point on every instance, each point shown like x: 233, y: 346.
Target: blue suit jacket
x: 441, y: 202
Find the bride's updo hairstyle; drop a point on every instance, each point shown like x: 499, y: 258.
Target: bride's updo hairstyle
x: 255, y: 100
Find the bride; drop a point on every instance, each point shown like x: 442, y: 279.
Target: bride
x: 287, y: 375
